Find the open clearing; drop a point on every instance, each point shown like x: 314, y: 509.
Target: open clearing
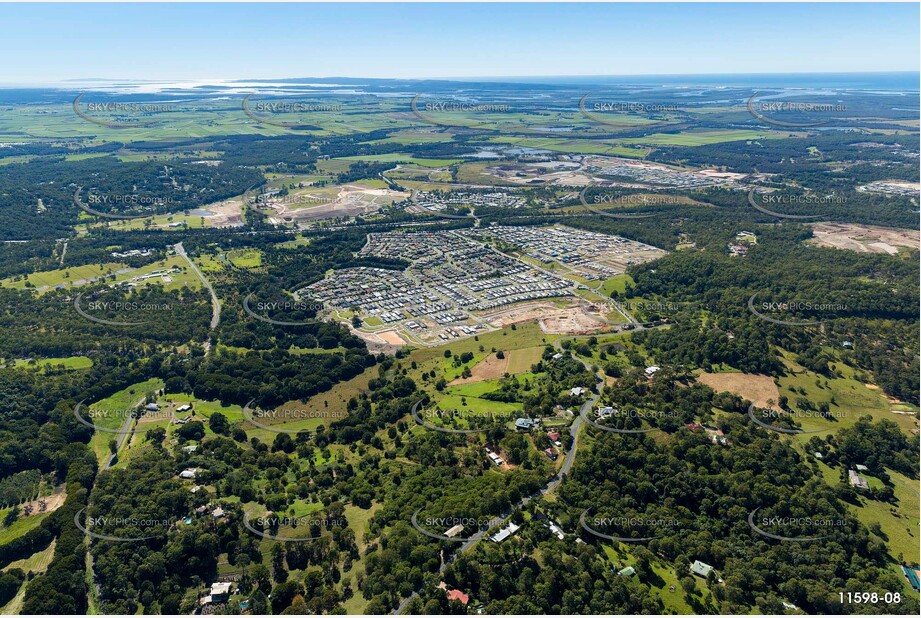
x: 570, y: 319
x: 520, y: 361
x: 864, y: 238
x: 489, y: 368
x: 759, y: 389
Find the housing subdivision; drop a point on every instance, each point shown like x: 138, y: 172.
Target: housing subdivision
x: 590, y: 255
x: 456, y: 283
x: 439, y: 201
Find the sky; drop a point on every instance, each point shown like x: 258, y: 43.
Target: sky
x: 47, y: 43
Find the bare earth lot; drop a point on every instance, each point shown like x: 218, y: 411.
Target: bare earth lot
x: 754, y: 387
x: 489, y: 368
x: 864, y: 238
x: 572, y: 320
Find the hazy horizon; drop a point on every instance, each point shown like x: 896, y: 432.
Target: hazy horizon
x: 179, y: 42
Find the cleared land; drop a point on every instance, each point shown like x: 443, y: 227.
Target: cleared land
x: 759, y: 389
x: 489, y: 368
x: 864, y: 238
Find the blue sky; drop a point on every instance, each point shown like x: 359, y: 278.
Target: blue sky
x: 43, y: 43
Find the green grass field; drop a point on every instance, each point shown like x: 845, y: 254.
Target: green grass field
x: 245, y: 258
x: 617, y: 283
x: 702, y: 138
x: 37, y: 563
x: 112, y: 411
x: 521, y: 360
x: 674, y: 602
x: 394, y: 157
x: 69, y: 362
x: 113, y: 272
x: 20, y: 526
x: 854, y: 399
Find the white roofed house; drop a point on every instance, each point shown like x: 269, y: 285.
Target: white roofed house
x: 701, y: 569
x: 506, y: 532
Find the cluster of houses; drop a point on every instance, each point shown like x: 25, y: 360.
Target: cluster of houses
x: 449, y: 275
x: 743, y: 242
x: 658, y: 175
x: 132, y: 253
x: 164, y: 275
x: 525, y: 425
x: 458, y: 199
x: 592, y: 255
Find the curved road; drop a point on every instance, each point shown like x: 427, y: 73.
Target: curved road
x: 215, y: 303
x: 550, y: 486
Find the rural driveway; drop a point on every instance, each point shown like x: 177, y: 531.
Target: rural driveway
x: 215, y: 303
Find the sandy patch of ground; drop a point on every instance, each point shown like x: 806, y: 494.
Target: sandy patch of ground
x: 392, y: 337
x: 52, y: 503
x: 864, y: 238
x: 388, y: 341
x: 722, y: 175
x: 571, y: 319
x: 757, y: 388
x: 352, y: 200
x: 489, y: 368
x: 228, y: 213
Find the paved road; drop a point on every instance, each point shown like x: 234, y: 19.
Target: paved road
x: 125, y: 433
x: 550, y: 486
x: 215, y: 303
